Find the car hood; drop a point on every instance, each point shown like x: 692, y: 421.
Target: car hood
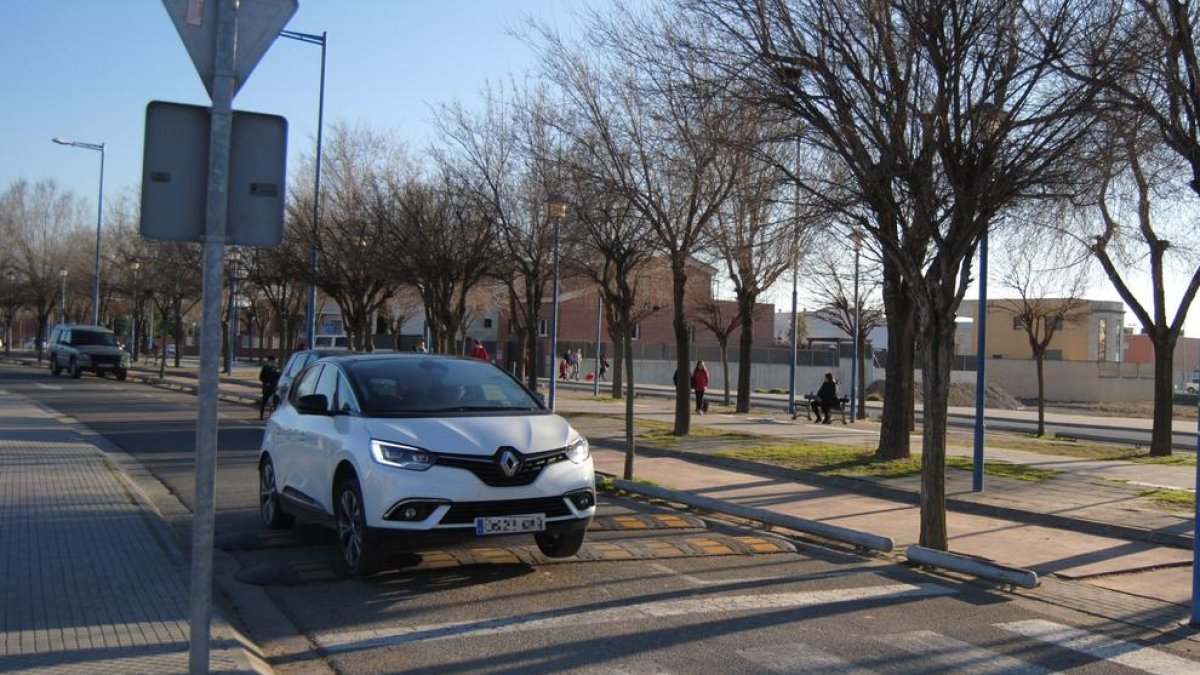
x: 471, y: 435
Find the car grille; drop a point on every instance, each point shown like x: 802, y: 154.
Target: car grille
x: 488, y: 470
x: 466, y: 512
x: 106, y: 360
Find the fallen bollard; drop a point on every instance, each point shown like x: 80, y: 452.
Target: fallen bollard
x: 974, y: 566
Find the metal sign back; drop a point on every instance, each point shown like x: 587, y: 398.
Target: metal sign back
x: 258, y: 24
x: 175, y: 174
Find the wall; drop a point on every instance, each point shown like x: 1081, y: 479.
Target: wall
x: 1083, y: 381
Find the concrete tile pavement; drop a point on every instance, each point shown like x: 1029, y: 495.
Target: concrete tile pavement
x: 92, y: 580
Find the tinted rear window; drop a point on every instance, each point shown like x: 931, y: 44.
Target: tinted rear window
x: 84, y: 338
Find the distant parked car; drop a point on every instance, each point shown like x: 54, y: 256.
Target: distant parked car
x: 1193, y: 386
x: 77, y: 348
x: 397, y: 449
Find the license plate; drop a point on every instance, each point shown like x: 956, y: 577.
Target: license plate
x: 531, y: 522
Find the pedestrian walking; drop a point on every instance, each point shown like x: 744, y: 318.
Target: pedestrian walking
x: 603, y: 367
x: 575, y: 357
x: 699, y: 385
x: 478, y: 351
x: 268, y: 377
x: 421, y: 348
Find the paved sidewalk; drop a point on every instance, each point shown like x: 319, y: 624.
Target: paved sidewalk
x: 92, y: 581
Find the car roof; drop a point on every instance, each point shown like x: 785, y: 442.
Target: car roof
x: 344, y: 357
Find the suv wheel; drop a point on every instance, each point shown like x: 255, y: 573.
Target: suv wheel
x: 54, y: 369
x: 269, y: 507
x: 122, y: 374
x: 359, y: 550
x: 76, y: 371
x: 560, y: 545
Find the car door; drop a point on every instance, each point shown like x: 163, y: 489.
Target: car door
x: 334, y: 431
x: 298, y: 441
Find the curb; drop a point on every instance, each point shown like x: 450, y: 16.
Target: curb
x: 978, y: 567
x: 857, y: 538
x: 874, y: 489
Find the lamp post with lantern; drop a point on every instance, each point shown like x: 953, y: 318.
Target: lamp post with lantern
x: 235, y: 258
x: 99, y: 147
x: 62, y: 310
x: 135, y: 266
x: 557, y: 206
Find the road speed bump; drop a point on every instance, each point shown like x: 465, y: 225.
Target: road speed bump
x: 645, y: 521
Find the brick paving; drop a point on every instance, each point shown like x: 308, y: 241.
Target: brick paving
x: 89, y: 584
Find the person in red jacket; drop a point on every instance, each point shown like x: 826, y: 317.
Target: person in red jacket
x: 699, y: 385
x: 479, y: 351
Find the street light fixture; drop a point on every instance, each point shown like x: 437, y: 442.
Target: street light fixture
x: 135, y: 266
x: 322, y: 40
x: 99, y: 147
x: 557, y: 206
x: 62, y: 310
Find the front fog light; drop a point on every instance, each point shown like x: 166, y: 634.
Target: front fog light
x: 582, y: 500
x: 577, y: 450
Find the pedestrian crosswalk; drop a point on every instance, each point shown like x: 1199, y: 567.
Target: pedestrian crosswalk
x: 933, y: 652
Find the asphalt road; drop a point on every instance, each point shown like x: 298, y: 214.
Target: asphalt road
x: 661, y: 593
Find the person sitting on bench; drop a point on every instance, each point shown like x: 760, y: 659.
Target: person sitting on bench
x: 826, y: 399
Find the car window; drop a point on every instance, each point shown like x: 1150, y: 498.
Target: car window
x: 327, y: 385
x: 87, y: 338
x: 421, y: 386
x: 307, y: 384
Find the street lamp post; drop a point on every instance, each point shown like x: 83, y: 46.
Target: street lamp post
x: 855, y: 394
x: 310, y: 330
x: 135, y: 266
x: 62, y: 310
x: 558, y: 210
x: 9, y: 310
x: 99, y: 147
x: 235, y: 257
x: 596, y: 371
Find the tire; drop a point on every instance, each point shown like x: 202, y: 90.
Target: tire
x: 560, y: 545
x: 358, y: 550
x: 54, y: 369
x: 122, y: 375
x: 76, y: 371
x: 270, y: 509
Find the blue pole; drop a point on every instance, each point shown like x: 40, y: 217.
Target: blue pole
x: 792, y: 358
x: 1195, y: 619
x: 980, y: 365
x: 857, y: 337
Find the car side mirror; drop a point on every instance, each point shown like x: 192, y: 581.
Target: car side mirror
x: 312, y: 404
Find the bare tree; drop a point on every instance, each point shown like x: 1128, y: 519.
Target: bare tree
x: 718, y: 318
x: 1049, y: 280
x: 941, y: 115
x: 1143, y: 55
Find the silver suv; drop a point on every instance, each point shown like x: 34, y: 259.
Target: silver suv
x: 77, y: 348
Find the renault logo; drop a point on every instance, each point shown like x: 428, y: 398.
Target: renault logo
x: 509, y: 461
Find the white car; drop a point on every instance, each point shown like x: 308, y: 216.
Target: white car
x: 410, y: 448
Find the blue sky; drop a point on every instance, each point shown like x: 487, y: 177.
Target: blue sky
x: 85, y: 69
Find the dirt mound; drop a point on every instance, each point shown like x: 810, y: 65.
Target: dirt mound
x: 961, y: 394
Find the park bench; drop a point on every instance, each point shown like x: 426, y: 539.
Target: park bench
x: 842, y: 406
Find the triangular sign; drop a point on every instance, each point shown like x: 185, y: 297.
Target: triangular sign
x: 258, y: 24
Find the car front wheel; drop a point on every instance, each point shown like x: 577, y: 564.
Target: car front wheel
x: 122, y: 375
x: 54, y: 369
x: 560, y: 544
x: 269, y: 507
x: 76, y: 371
x: 358, y: 548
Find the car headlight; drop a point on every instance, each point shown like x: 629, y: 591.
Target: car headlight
x: 402, y: 456
x: 577, y: 450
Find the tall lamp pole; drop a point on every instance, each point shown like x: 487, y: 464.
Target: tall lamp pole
x: 557, y: 206
x: 980, y: 367
x: 99, y: 147
x: 9, y: 310
x: 795, y: 282
x: 596, y: 371
x: 856, y: 240
x: 135, y: 266
x: 62, y: 310
x: 235, y: 257
x: 310, y: 330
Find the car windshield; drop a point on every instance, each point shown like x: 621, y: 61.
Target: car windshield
x: 83, y: 338
x: 422, y: 386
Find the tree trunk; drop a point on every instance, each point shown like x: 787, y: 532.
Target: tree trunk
x: 1164, y: 393
x: 725, y: 368
x: 1040, y: 361
x: 939, y: 352
x: 618, y: 356
x: 683, y: 408
x: 745, y: 344
x: 627, y: 347
x: 898, y: 393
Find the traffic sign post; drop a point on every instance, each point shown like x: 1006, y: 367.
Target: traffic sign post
x: 225, y: 42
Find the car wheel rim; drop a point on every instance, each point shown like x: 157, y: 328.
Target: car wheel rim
x: 266, y: 491
x: 350, y: 527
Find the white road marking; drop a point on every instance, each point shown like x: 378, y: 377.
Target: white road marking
x: 1125, y: 653
x: 720, y: 582
x: 47, y: 386
x: 955, y: 656
x: 338, y: 641
x: 798, y: 658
